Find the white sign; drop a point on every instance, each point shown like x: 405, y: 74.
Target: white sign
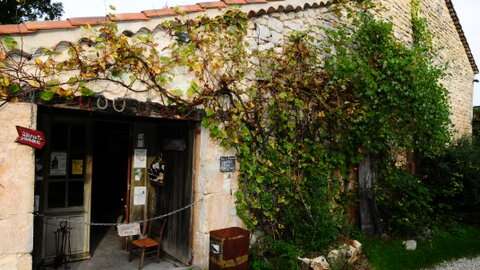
x: 128, y: 229
x: 139, y: 195
x: 58, y: 163
x: 140, y: 158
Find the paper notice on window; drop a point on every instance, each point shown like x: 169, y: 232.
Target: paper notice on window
x: 140, y: 158
x: 139, y: 195
x: 128, y: 229
x: 58, y: 163
x: 77, y: 167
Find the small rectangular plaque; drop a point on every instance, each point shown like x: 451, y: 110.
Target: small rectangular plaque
x: 139, y: 195
x: 128, y: 229
x: 228, y: 164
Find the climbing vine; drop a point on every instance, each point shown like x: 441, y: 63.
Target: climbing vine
x: 300, y: 117
x: 205, y: 49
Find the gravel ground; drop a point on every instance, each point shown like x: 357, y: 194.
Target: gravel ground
x: 461, y: 264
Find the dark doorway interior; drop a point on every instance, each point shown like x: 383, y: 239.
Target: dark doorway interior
x: 110, y: 176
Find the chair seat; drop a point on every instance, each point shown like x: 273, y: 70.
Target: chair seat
x: 145, y: 243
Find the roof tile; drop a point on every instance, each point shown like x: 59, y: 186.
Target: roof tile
x: 80, y: 21
x: 235, y: 2
x: 47, y: 25
x: 256, y: 1
x: 30, y: 27
x: 209, y: 5
x: 6, y: 29
x: 164, y: 12
x: 129, y: 17
x: 190, y: 8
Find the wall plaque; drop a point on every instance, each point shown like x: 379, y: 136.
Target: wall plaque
x: 140, y: 158
x: 139, y: 195
x: 228, y: 163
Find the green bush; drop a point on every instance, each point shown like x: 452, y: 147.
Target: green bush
x: 270, y: 254
x: 404, y: 201
x: 454, y: 177
x: 445, y: 186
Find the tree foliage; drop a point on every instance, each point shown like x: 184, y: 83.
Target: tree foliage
x: 17, y: 11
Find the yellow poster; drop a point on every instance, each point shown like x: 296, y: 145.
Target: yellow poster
x: 77, y: 167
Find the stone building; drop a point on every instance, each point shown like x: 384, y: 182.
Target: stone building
x: 70, y: 190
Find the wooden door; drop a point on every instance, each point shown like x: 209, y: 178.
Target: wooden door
x: 66, y: 183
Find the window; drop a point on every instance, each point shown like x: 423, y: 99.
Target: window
x: 66, y: 165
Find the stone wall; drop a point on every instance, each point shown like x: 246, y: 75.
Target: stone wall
x: 214, y: 193
x: 16, y: 188
x: 450, y: 50
x: 267, y: 32
x: 459, y: 80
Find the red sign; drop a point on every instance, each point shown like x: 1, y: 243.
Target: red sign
x: 34, y: 138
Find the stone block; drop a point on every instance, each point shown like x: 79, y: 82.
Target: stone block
x: 294, y: 25
x: 263, y: 32
x: 16, y: 262
x: 275, y: 25
x: 16, y: 179
x: 16, y: 233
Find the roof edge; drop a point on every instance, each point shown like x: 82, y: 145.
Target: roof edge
x: 461, y: 33
x: 33, y: 27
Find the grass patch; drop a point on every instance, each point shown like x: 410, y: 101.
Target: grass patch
x: 461, y: 241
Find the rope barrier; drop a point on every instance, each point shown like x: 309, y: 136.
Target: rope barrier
x: 109, y: 224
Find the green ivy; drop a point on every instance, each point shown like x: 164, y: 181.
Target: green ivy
x: 320, y: 106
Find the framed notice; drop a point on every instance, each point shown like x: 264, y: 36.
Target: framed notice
x: 77, y: 167
x: 140, y: 158
x: 139, y: 195
x: 58, y: 163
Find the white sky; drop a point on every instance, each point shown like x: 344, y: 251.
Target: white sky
x: 468, y: 11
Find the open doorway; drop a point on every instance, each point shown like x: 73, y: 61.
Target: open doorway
x: 109, y: 177
x: 89, y: 176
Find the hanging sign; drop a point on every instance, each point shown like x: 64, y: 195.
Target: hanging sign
x: 130, y: 229
x: 31, y: 137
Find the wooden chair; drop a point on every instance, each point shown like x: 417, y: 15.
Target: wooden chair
x: 153, y: 241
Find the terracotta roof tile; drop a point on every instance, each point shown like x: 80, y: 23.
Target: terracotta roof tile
x: 48, y: 25
x: 80, y: 21
x: 164, y: 12
x: 30, y: 27
x: 209, y: 5
x: 235, y: 2
x: 190, y: 8
x: 129, y: 17
x: 256, y: 1
x: 13, y: 29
